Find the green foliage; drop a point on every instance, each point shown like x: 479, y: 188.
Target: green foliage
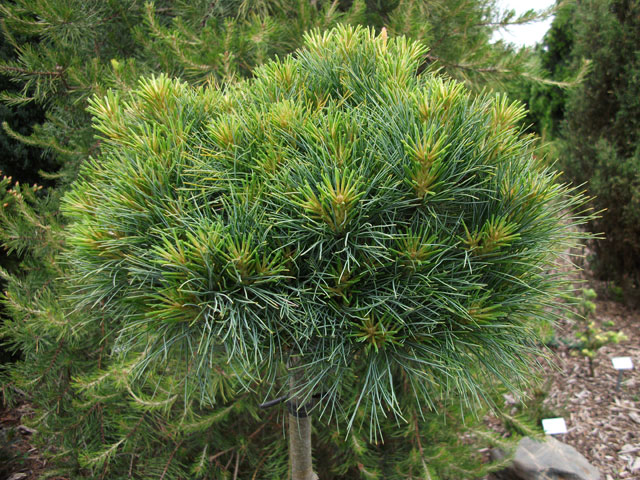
x: 83, y: 48
x: 94, y: 420
x: 592, y: 337
x: 595, y: 126
x: 387, y: 229
x: 66, y: 52
x: 56, y: 54
x: 546, y: 101
x: 615, y: 292
x: 18, y: 215
x: 18, y: 159
x: 602, y: 129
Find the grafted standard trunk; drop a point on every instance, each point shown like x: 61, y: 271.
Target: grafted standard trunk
x: 300, y: 459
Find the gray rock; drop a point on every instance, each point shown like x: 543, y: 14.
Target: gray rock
x: 547, y: 460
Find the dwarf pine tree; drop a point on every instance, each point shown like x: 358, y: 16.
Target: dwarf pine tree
x: 85, y: 402
x: 367, y: 242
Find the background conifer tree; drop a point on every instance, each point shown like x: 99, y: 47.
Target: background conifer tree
x: 546, y: 102
x: 18, y: 161
x: 595, y: 126
x: 601, y: 132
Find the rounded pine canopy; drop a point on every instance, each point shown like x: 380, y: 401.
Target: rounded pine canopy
x: 391, y: 230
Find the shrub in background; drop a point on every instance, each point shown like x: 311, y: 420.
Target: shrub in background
x: 593, y: 338
x: 336, y: 226
x: 602, y: 130
x: 595, y: 127
x: 18, y: 161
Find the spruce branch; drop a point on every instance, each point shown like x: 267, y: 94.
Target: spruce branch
x: 171, y: 456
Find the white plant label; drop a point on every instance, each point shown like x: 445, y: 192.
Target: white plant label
x: 622, y: 363
x: 554, y: 426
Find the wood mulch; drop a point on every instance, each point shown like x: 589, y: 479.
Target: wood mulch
x: 602, y: 424
x: 22, y: 461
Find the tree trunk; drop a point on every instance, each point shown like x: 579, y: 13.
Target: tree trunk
x: 299, y: 433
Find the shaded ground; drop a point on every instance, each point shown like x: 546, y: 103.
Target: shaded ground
x: 19, y: 459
